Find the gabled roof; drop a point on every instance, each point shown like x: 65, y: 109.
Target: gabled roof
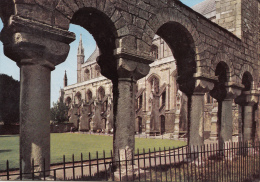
x: 205, y: 8
x: 93, y: 56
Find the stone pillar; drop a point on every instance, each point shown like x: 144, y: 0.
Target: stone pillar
x: 247, y: 101
x: 197, y: 119
x: 34, y: 115
x: 37, y: 56
x: 196, y: 137
x: 248, y: 123
x: 226, y: 127
x: 129, y: 67
x: 124, y: 126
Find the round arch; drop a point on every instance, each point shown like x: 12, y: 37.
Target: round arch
x: 247, y: 70
x: 94, y: 21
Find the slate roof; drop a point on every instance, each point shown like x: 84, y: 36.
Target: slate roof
x: 93, y: 56
x: 205, y: 7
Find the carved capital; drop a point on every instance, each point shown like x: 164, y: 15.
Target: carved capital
x: 203, y: 86
x: 233, y: 90
x: 29, y: 40
x: 125, y: 64
x: 248, y: 98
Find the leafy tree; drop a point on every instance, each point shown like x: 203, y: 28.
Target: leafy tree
x: 9, y: 99
x: 59, y: 112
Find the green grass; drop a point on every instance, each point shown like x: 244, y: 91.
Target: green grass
x: 73, y: 143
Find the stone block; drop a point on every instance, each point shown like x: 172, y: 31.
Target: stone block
x: 116, y: 16
x: 90, y: 3
x: 101, y: 4
x: 64, y: 9
x: 123, y: 31
x: 34, y: 12
x: 61, y: 20
x: 109, y: 9
x: 72, y: 5
x: 120, y: 23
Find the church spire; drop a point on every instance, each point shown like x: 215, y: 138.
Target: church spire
x: 65, y: 80
x: 80, y: 48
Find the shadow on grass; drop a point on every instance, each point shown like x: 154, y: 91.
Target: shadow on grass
x: 2, y: 151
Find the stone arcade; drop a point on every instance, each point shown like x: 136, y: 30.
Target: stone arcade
x: 218, y: 58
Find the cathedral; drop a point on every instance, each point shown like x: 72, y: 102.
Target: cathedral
x: 161, y: 108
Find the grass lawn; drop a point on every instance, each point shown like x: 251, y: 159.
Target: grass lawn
x: 74, y: 143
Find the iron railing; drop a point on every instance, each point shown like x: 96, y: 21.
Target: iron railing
x: 233, y: 162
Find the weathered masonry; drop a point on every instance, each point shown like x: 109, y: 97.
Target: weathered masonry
x: 218, y: 58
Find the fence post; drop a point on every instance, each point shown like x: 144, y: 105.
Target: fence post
x: 81, y: 159
x: 64, y: 168
x: 89, y: 158
x: 97, y: 164
x: 104, y: 156
x: 112, y: 167
x: 144, y: 165
x: 7, y: 169
x: 73, y: 167
x: 150, y: 167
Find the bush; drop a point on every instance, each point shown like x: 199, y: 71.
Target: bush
x: 9, y: 99
x: 59, y: 112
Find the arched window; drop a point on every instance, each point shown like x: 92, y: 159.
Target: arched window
x: 97, y: 68
x: 154, y: 51
x: 86, y: 75
x: 88, y: 96
x: 68, y: 101
x: 78, y: 98
x: 101, y: 93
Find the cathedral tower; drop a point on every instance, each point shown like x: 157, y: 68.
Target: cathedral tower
x: 80, y: 59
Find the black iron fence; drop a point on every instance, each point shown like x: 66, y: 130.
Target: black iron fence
x: 233, y: 162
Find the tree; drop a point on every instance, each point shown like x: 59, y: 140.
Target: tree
x: 9, y: 99
x: 59, y: 112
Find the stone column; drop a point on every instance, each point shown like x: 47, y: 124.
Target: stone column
x: 124, y: 130
x: 34, y: 115
x: 248, y: 123
x: 196, y: 137
x: 197, y: 119
x: 129, y: 67
x: 226, y: 127
x: 37, y: 56
x: 247, y: 100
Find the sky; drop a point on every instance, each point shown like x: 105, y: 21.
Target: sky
x: 10, y: 68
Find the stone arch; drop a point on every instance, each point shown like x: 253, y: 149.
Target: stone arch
x: 247, y: 70
x: 247, y: 81
x: 182, y: 38
x: 166, y: 15
x: 100, y: 93
x: 221, y: 58
x: 93, y: 17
